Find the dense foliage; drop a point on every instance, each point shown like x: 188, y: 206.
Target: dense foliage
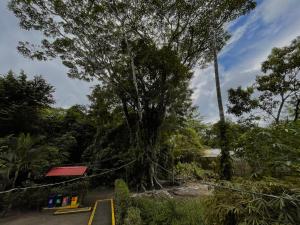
x: 20, y: 102
x: 97, y: 136
x: 271, y: 151
x: 255, y: 209
x: 34, y: 136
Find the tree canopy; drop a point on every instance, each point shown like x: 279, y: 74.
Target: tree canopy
x: 20, y: 102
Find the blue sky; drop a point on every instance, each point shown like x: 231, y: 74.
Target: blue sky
x: 67, y: 91
x: 274, y: 23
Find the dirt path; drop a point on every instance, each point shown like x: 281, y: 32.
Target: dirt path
x: 42, y: 218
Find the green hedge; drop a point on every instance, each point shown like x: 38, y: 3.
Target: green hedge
x: 121, y: 201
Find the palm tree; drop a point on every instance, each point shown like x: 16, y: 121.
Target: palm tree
x: 21, y: 154
x: 225, y: 161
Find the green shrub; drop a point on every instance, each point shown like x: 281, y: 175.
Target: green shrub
x: 236, y: 208
x: 37, y: 198
x: 170, y: 212
x: 271, y: 151
x: 189, y: 170
x: 121, y: 200
x: 186, y: 144
x: 133, y: 217
x: 26, y: 199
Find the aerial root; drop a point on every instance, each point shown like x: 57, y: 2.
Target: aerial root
x: 157, y: 182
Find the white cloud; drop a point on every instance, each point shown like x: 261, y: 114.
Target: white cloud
x: 204, y: 95
x: 269, y: 12
x: 203, y: 84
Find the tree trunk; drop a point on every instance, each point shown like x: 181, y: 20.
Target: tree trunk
x: 127, y: 119
x: 279, y: 110
x: 144, y: 141
x: 218, y: 87
x: 225, y: 161
x: 149, y: 144
x: 15, y: 178
x: 133, y: 71
x: 149, y: 132
x: 146, y: 172
x: 297, y: 110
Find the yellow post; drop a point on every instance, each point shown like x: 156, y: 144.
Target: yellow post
x: 112, y: 212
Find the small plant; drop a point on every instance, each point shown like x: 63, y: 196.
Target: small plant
x: 133, y: 217
x: 237, y: 208
x: 171, y: 211
x: 189, y: 170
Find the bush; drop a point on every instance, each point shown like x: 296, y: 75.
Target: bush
x: 121, y: 200
x: 170, y: 212
x: 189, y: 170
x: 133, y: 217
x: 236, y: 208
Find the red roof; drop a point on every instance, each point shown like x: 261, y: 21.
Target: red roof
x: 66, y: 171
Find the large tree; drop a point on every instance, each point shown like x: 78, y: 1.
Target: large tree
x: 115, y: 41
x: 225, y: 160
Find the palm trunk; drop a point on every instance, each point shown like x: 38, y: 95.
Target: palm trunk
x: 225, y: 161
x: 218, y: 87
x: 297, y: 110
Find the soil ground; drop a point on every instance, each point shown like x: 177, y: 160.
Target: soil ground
x: 187, y: 190
x: 47, y: 218
x: 42, y: 218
